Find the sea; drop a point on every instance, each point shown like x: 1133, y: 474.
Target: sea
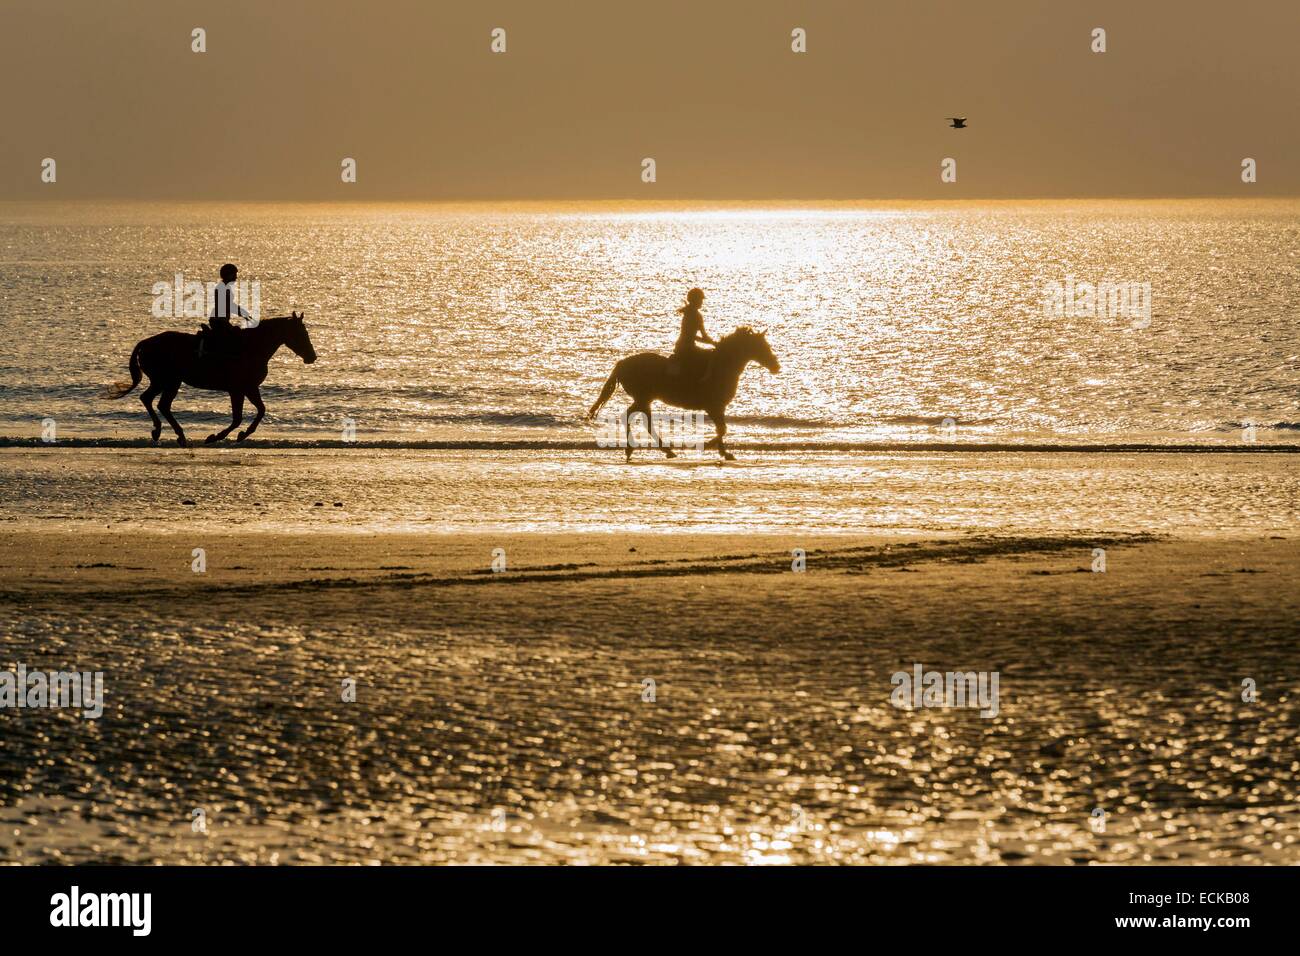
x: 926, y: 350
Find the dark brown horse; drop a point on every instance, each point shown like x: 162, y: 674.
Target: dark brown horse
x: 169, y: 359
x: 645, y: 376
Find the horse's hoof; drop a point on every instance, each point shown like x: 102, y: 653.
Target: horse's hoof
x: 670, y: 453
x: 180, y: 440
x: 210, y: 439
x: 241, y: 436
x: 728, y: 456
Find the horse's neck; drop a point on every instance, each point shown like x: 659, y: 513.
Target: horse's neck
x: 264, y: 341
x: 267, y: 341
x: 732, y: 361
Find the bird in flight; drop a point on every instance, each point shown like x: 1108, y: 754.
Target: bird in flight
x: 958, y: 122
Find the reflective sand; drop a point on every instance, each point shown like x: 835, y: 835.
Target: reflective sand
x: 505, y: 718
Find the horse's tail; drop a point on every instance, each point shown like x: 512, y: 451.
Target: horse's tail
x: 119, y: 389
x: 606, y: 393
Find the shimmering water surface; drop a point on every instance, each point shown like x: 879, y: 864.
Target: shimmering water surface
x: 502, y: 322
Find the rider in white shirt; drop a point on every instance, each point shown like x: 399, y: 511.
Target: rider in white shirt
x: 223, y: 299
x: 224, y: 307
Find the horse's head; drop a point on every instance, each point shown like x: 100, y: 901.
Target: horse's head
x: 753, y: 347
x: 297, y: 339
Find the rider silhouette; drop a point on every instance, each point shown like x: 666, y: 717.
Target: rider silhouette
x: 224, y: 339
x: 686, y: 353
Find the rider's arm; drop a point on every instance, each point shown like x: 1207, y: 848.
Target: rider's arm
x: 697, y: 330
x: 235, y: 309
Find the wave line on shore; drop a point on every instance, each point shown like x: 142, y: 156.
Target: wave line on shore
x: 489, y: 445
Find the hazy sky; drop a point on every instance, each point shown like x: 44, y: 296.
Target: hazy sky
x: 710, y: 89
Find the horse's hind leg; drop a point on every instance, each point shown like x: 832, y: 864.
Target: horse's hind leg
x: 640, y: 408
x: 654, y: 432
x: 628, y: 445
x: 165, y: 406
x: 236, y: 416
x: 254, y: 396
x: 147, y: 396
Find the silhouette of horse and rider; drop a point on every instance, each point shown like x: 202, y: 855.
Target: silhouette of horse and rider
x: 221, y: 358
x: 691, y: 378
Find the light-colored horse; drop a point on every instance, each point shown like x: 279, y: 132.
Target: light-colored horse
x: 646, y: 377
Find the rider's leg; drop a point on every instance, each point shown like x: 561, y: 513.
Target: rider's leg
x: 217, y: 340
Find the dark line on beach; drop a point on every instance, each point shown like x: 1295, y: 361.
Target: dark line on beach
x: 854, y: 560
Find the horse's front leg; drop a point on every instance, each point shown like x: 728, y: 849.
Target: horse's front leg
x: 720, y: 423
x: 255, y: 396
x: 236, y: 416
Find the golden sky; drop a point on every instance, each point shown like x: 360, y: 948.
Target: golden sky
x: 586, y: 90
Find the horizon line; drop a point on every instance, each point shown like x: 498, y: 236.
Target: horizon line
x: 626, y: 200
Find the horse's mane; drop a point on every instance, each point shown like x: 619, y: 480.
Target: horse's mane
x: 739, y: 335
x: 743, y: 331
x: 274, y: 320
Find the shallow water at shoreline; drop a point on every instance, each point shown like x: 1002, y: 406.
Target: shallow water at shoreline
x: 375, y: 490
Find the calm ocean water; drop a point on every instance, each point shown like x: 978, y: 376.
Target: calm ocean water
x: 492, y: 322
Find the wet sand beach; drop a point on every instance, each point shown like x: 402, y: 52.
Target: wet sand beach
x: 506, y: 717
x: 603, y: 437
